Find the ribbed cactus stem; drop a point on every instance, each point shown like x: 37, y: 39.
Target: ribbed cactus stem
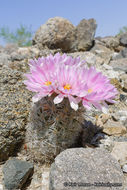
x: 52, y: 128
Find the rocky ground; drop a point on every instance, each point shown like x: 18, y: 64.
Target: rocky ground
x: 104, y: 131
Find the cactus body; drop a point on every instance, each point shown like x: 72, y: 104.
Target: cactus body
x: 52, y: 128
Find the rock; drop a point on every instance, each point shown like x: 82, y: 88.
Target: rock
x: 117, y: 56
x: 115, y: 81
x: 114, y: 76
x: 45, y: 179
x: 123, y: 79
x: 102, y: 119
x: 120, y: 152
x: 102, y: 51
x: 16, y: 172
x: 125, y: 123
x: 56, y: 33
x: 124, y: 168
x: 123, y: 97
x: 119, y: 138
x: 15, y: 103
x: 1, y: 187
x: 121, y: 114
x: 125, y: 86
x: 4, y: 59
x: 109, y: 126
x: 85, y: 32
x: 1, y: 49
x: 108, y: 71
x: 24, y: 53
x: 106, y: 143
x: 114, y: 128
x: 124, y: 52
x: 121, y: 54
x: 119, y: 65
x: 9, y: 48
x: 123, y: 39
x: 88, y: 57
x: 110, y: 42
x: 28, y: 52
x: 87, y: 168
x: 15, y: 56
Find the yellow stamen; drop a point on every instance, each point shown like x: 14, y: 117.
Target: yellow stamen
x: 67, y: 87
x: 90, y: 90
x: 48, y: 83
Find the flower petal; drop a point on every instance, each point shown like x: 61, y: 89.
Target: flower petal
x: 58, y: 99
x: 74, y: 106
x: 37, y: 97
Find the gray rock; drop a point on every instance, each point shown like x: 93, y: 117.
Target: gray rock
x: 85, y: 32
x: 85, y: 168
x: 23, y: 53
x: 125, y: 123
x: 122, y: 114
x: 55, y: 33
x: 89, y: 58
x: 123, y: 39
x: 119, y: 152
x: 16, y: 172
x: 124, y: 168
x: 13, y: 112
x: 106, y: 143
x: 4, y: 59
x: 1, y: 49
x: 125, y: 86
x: 9, y: 48
x: 124, y: 52
x: 119, y: 65
x: 121, y: 54
x: 102, y: 51
x: 123, y: 97
x: 15, y: 56
x: 110, y: 42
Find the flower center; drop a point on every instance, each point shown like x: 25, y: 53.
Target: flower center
x: 90, y: 90
x: 67, y: 87
x: 48, y: 83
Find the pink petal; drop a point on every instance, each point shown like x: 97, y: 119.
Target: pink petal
x: 58, y: 99
x: 38, y: 97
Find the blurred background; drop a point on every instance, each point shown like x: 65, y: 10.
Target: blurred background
x: 20, y: 19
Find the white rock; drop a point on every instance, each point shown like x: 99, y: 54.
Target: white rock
x: 45, y: 179
x: 122, y: 115
x: 107, y: 67
x: 1, y: 187
x: 125, y: 168
x: 120, y: 152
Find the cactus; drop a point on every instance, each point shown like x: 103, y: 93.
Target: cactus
x: 52, y: 129
x: 64, y: 88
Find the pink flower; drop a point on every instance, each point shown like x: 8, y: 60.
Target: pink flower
x: 69, y: 85
x: 69, y: 78
x: 98, y: 90
x: 41, y: 78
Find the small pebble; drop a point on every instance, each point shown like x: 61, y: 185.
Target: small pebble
x: 125, y: 168
x: 123, y: 97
